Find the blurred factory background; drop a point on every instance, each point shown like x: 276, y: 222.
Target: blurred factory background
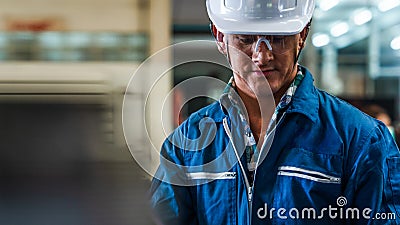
x: 64, y: 68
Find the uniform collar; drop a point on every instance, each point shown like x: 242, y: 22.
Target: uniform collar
x: 305, y: 100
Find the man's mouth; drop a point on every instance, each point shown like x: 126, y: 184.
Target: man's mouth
x: 265, y: 72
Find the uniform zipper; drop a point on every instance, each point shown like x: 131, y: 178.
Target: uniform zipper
x: 228, y: 132
x: 248, y: 187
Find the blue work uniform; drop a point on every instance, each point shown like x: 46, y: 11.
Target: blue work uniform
x: 328, y: 163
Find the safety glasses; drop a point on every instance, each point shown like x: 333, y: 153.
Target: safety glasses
x: 278, y: 44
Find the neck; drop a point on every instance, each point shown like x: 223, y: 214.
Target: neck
x: 259, y: 115
x: 278, y: 94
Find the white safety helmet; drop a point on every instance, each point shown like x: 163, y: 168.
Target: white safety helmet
x: 268, y: 17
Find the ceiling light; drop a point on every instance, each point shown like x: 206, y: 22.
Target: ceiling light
x: 386, y: 5
x: 395, y: 43
x: 320, y: 40
x: 326, y: 5
x: 362, y: 16
x: 318, y: 13
x: 339, y: 29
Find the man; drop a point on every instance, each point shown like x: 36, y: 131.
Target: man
x: 313, y: 159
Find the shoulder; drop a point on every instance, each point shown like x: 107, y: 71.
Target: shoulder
x: 212, y: 112
x: 366, y: 141
x: 205, y: 118
x: 335, y: 116
x: 363, y: 136
x: 343, y: 113
x: 328, y: 110
x: 200, y: 138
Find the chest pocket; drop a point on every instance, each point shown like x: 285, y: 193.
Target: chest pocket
x: 307, y: 180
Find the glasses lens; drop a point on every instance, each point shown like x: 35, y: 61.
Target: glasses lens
x: 279, y: 43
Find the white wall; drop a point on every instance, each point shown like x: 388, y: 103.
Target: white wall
x: 81, y: 15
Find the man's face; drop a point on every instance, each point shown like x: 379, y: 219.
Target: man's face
x: 256, y: 59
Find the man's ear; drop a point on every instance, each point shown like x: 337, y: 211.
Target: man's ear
x: 219, y: 37
x: 221, y: 47
x: 303, y: 38
x: 302, y: 44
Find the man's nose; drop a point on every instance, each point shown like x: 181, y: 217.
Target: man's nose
x: 263, y: 50
x: 259, y: 43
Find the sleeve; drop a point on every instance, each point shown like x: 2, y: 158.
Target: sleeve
x: 171, y: 203
x: 374, y: 183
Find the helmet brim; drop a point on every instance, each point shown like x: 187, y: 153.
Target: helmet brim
x: 275, y: 27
